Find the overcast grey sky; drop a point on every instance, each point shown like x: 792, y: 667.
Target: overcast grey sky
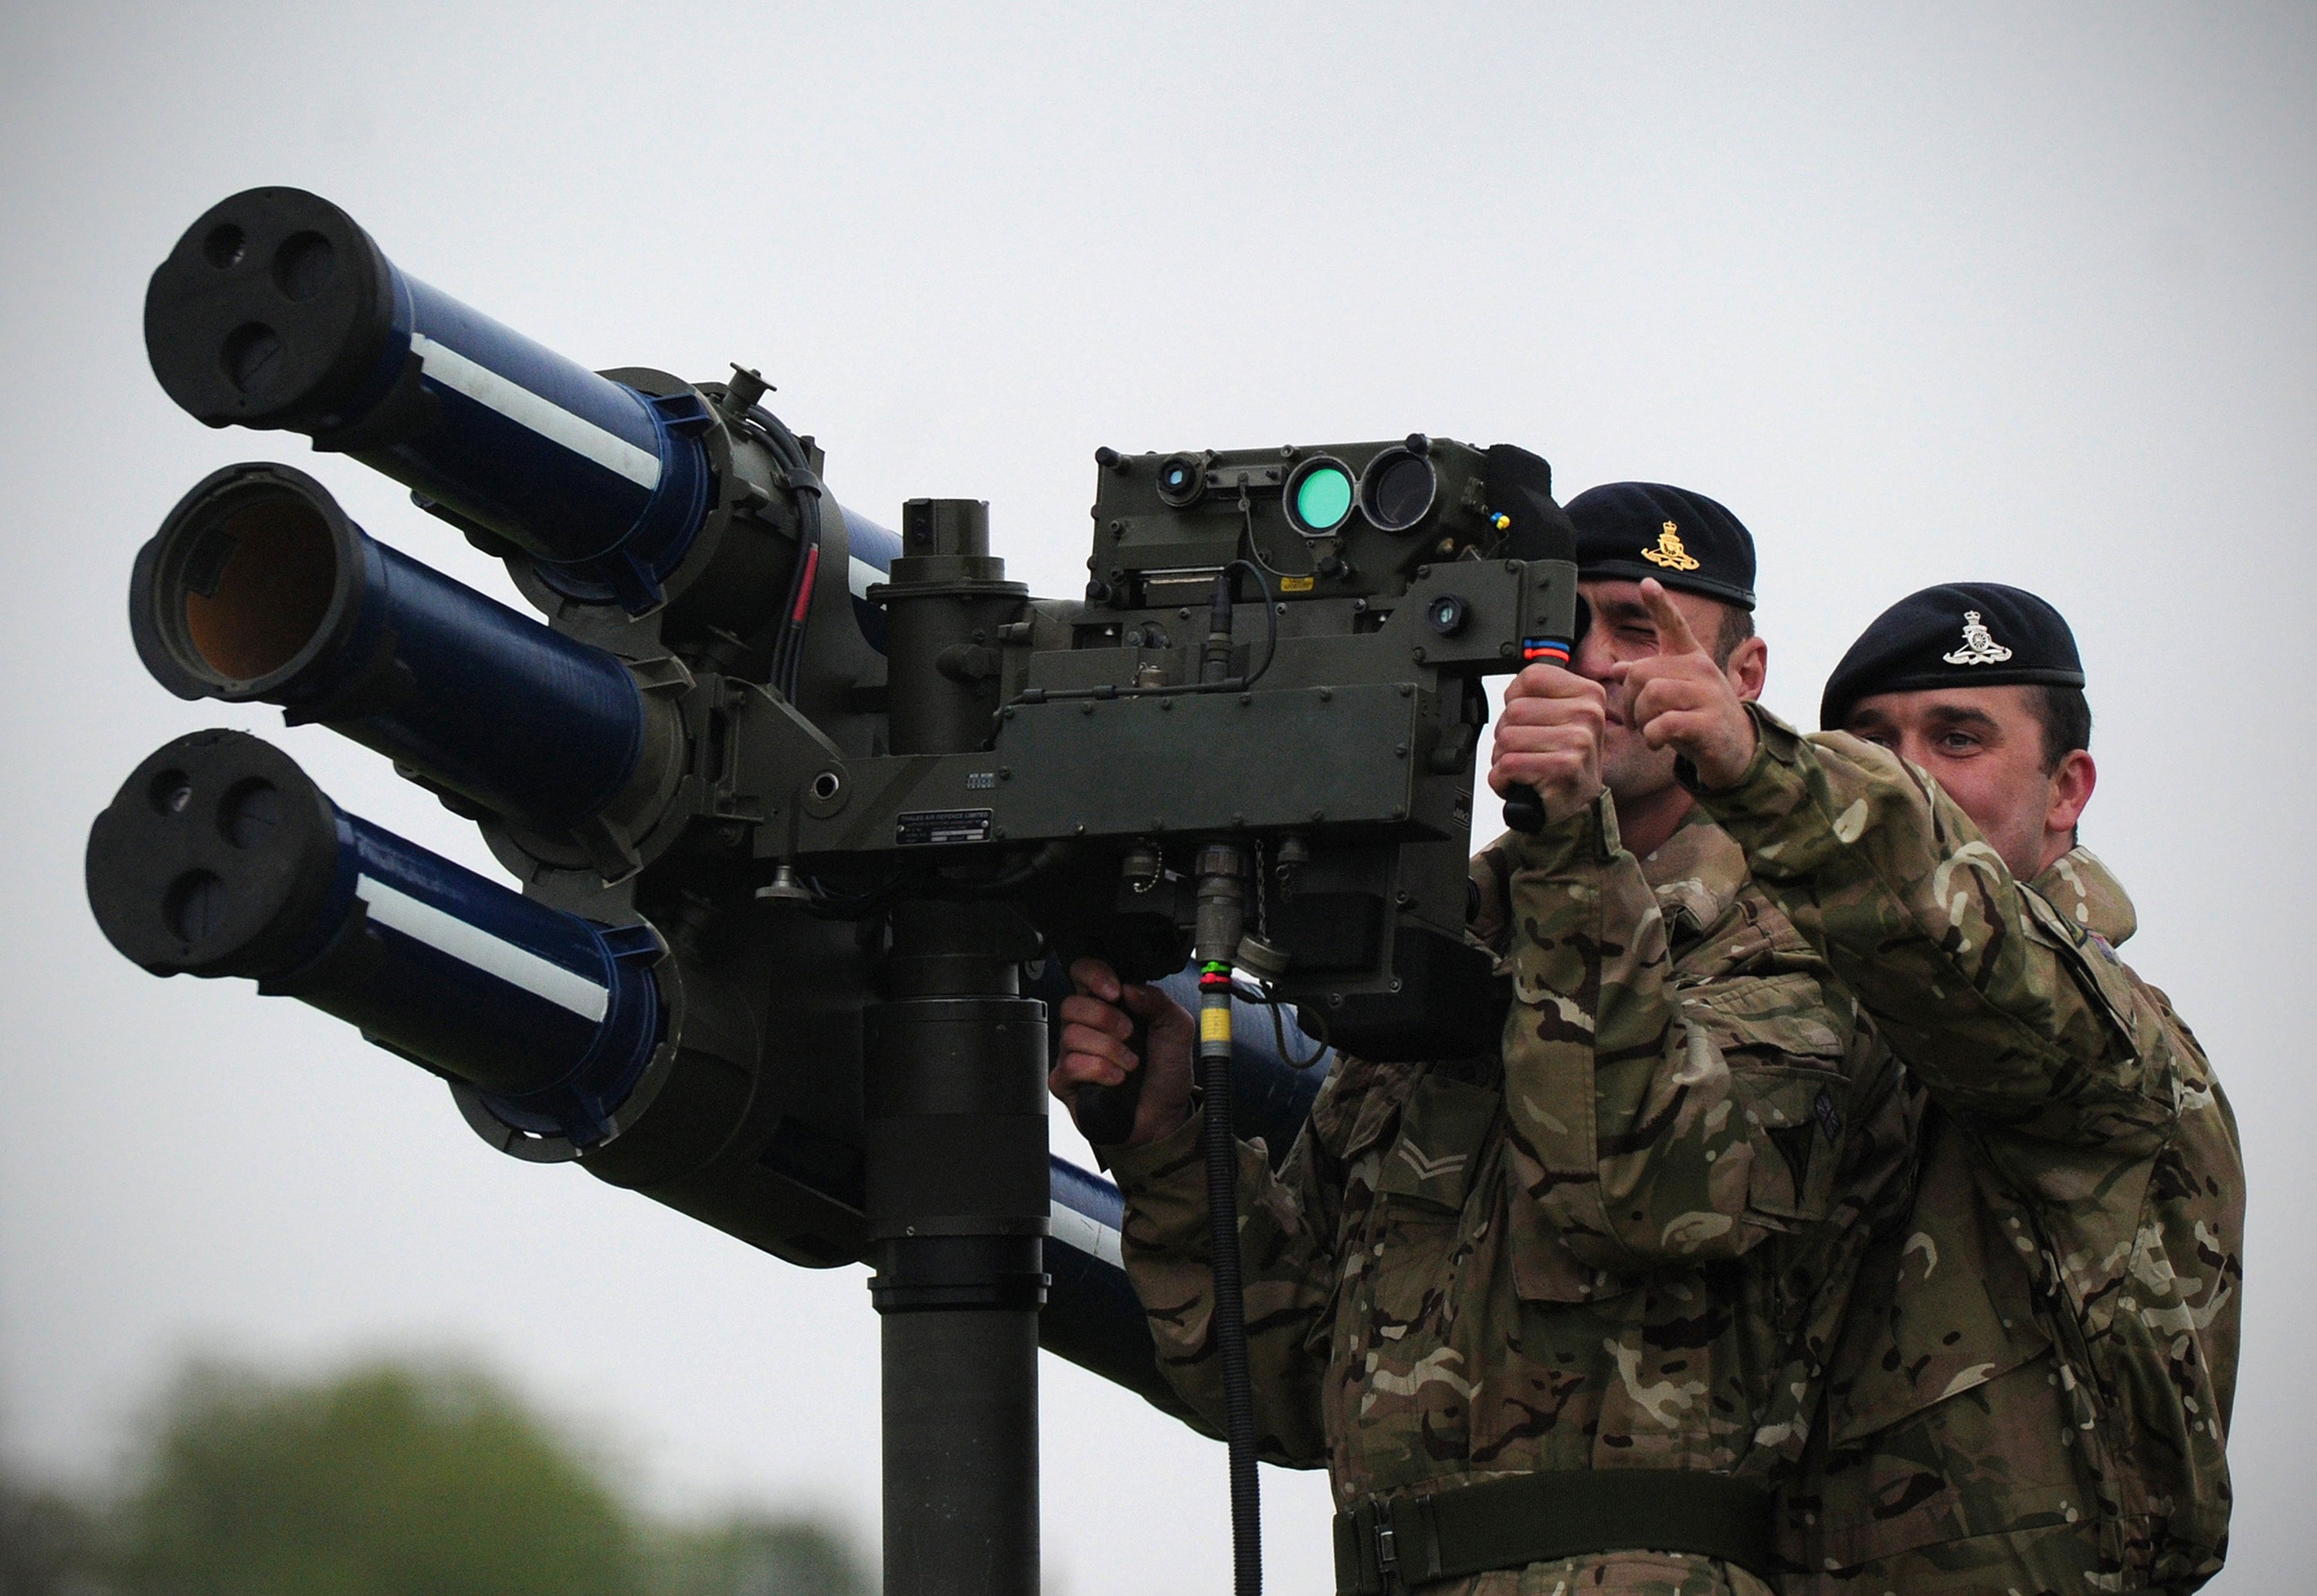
x: 2004, y: 292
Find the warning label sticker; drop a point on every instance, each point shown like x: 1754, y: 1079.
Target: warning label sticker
x: 919, y: 828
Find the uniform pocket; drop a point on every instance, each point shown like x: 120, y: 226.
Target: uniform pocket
x: 1545, y: 1269
x: 1442, y: 1130
x: 1785, y: 1085
x: 1424, y: 1184
x: 1794, y: 1120
x: 1994, y: 1458
x: 1942, y: 1304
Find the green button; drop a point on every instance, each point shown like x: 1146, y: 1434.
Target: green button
x: 1323, y: 498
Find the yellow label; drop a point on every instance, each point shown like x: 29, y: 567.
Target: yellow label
x: 1296, y: 583
x: 1214, y: 1025
x: 1669, y: 553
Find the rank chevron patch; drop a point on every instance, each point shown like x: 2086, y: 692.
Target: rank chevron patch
x: 1430, y: 1169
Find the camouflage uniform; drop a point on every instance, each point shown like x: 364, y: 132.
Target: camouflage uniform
x: 1625, y: 1243
x: 2034, y: 1391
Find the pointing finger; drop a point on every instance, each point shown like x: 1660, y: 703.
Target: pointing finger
x: 1674, y: 636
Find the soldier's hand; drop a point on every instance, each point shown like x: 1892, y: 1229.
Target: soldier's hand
x: 1681, y: 699
x: 1097, y: 1020
x: 1549, y: 738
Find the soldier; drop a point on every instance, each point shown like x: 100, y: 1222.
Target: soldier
x: 2033, y: 1394
x: 1554, y: 1316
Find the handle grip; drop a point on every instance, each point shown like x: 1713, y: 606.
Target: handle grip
x: 1524, y: 811
x: 1105, y: 1114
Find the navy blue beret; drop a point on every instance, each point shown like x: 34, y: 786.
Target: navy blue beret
x: 1959, y: 634
x: 1626, y: 531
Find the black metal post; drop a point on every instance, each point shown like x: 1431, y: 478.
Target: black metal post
x: 958, y: 1205
x: 956, y: 1132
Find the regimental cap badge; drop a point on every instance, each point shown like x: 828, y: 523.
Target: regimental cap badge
x: 1672, y: 556
x: 1978, y: 647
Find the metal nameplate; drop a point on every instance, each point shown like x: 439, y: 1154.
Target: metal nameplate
x: 919, y: 828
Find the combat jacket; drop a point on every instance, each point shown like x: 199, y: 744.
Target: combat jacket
x: 1624, y: 1243
x: 2034, y: 1392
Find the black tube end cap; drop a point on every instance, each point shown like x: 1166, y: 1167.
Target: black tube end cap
x: 273, y: 311
x: 215, y: 859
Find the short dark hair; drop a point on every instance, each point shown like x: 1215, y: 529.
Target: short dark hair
x: 2066, y: 717
x: 1737, y: 625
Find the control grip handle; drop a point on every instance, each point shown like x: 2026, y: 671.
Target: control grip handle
x: 1105, y: 1114
x: 1524, y: 811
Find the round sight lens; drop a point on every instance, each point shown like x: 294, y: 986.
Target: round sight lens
x: 1397, y: 490
x: 1323, y: 497
x: 1182, y: 481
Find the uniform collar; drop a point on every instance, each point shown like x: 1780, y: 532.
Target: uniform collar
x: 2083, y: 890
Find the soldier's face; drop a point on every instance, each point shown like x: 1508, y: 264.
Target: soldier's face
x: 1622, y: 632
x: 1984, y: 746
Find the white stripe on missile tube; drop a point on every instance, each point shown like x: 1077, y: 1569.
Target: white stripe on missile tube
x: 859, y: 575
x: 469, y: 944
x: 549, y: 420
x: 1088, y: 1235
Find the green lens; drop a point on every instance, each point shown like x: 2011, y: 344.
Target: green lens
x: 1323, y: 498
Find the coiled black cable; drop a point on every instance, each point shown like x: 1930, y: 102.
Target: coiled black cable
x: 1230, y: 1328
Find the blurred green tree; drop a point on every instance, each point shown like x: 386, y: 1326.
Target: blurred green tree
x: 749, y: 1556
x: 389, y: 1480
x: 395, y: 1479
x: 51, y: 1545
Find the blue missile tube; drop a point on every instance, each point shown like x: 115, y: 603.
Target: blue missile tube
x: 221, y: 857
x: 873, y: 551
x: 275, y: 310
x: 1092, y: 1317
x: 603, y: 485
x: 552, y: 1016
x: 258, y: 587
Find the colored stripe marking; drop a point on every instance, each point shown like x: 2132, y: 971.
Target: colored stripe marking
x: 1085, y: 1234
x: 468, y: 944
x: 804, y: 588
x: 549, y: 420
x: 859, y: 575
